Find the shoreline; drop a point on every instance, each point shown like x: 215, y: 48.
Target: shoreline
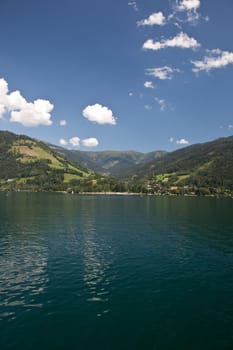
x: 129, y: 194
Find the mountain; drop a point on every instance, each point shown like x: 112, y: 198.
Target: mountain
x: 112, y: 163
x: 30, y: 164
x: 203, y: 165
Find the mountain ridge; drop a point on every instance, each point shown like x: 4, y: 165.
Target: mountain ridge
x: 109, y: 162
x: 204, y: 168
x: 208, y: 165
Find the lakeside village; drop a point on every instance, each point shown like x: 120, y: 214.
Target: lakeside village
x: 117, y: 188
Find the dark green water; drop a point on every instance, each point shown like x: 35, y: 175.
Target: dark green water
x: 86, y: 272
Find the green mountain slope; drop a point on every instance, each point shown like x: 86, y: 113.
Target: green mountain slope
x: 202, y: 165
x: 113, y: 163
x: 26, y: 163
x: 29, y: 164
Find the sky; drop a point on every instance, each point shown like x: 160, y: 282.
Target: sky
x: 138, y: 75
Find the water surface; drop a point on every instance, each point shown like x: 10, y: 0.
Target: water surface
x: 112, y: 272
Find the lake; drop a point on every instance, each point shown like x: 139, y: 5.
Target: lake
x: 115, y: 272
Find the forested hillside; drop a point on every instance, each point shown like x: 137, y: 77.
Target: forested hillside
x: 208, y: 165
x: 29, y: 164
x: 113, y: 163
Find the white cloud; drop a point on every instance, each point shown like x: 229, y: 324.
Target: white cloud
x: 148, y: 107
x: 182, y: 142
x: 3, y: 86
x: 99, y: 114
x: 75, y: 141
x: 161, y: 73
x: 171, y: 139
x: 26, y: 113
x: 15, y: 101
x: 63, y: 122
x: 134, y: 5
x: 148, y: 85
x: 130, y: 94
x: 33, y: 114
x: 63, y: 142
x: 190, y: 7
x: 181, y: 40
x: 90, y: 142
x: 193, y: 16
x: 156, y: 18
x: 161, y: 103
x: 215, y: 59
x: 230, y: 126
x: 3, y: 96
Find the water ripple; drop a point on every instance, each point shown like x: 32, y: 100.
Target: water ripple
x: 115, y: 273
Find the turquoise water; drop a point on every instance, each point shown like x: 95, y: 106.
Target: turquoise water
x: 99, y: 272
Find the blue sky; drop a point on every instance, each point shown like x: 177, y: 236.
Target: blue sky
x: 119, y: 75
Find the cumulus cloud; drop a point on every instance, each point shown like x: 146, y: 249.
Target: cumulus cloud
x: 63, y: 142
x: 156, y: 18
x: 63, y: 122
x: 190, y: 7
x: 15, y: 101
x: 99, y: 114
x: 33, y: 114
x: 90, y: 142
x: 3, y: 96
x: 26, y: 113
x: 75, y: 141
x: 148, y: 85
x: 215, y: 59
x: 181, y: 40
x: 162, y: 73
x: 182, y: 142
x: 161, y: 103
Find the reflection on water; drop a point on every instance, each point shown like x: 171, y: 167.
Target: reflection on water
x: 96, y: 264
x: 115, y: 273
x: 23, y: 276
x: 23, y: 258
